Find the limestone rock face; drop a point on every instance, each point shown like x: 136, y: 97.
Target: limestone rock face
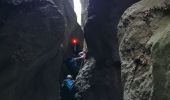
x: 100, y: 78
x: 33, y: 38
x: 144, y: 32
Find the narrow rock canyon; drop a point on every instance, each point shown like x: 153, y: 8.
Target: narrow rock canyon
x: 128, y: 49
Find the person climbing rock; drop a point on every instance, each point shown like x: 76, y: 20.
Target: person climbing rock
x: 75, y: 46
x: 74, y: 63
x: 76, y: 59
x: 68, y: 89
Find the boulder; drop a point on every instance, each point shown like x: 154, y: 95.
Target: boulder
x: 144, y: 50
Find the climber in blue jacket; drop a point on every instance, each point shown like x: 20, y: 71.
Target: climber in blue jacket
x: 68, y: 89
x: 69, y: 82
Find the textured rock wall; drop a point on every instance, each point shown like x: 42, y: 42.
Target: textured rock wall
x: 84, y: 12
x: 100, y: 78
x: 144, y: 47
x: 34, y: 35
x: 71, y: 24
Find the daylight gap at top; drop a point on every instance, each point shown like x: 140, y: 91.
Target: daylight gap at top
x: 77, y: 9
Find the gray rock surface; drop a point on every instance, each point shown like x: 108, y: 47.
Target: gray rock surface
x: 100, y: 78
x: 84, y: 8
x: 34, y: 35
x: 144, y: 48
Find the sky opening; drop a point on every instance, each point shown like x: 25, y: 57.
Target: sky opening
x: 77, y: 9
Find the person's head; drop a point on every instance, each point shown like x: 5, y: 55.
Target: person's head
x: 69, y: 77
x: 75, y: 46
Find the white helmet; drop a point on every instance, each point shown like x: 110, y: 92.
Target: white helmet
x: 69, y: 77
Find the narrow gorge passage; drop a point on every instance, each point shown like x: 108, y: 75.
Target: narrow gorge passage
x: 112, y: 50
x: 100, y: 77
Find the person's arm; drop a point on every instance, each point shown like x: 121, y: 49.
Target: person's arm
x: 82, y: 56
x: 77, y: 58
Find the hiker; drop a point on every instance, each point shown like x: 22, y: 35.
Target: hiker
x: 74, y: 63
x: 75, y: 46
x: 68, y: 89
x: 76, y: 59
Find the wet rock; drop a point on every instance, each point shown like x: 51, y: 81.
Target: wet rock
x: 144, y: 52
x: 33, y: 34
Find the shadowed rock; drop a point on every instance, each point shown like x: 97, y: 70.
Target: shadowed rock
x: 34, y: 35
x: 103, y: 80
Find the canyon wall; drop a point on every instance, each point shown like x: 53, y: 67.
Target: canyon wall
x: 100, y: 77
x: 84, y: 9
x: 34, y: 37
x: 144, y: 32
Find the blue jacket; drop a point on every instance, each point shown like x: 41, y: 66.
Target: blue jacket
x: 69, y: 84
